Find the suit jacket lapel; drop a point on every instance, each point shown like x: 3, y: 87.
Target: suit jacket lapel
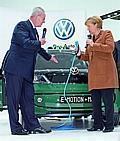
x: 95, y: 39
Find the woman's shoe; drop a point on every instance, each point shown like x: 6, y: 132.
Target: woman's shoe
x: 108, y: 130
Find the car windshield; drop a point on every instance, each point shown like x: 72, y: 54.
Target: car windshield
x: 65, y: 61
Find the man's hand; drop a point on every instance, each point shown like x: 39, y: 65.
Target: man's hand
x: 54, y: 59
x: 42, y: 41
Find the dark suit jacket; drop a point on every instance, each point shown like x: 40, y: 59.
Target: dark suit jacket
x: 23, y: 51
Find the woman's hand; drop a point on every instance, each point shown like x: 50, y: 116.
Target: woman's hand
x: 89, y: 42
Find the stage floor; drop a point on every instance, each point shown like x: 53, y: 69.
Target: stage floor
x: 63, y: 130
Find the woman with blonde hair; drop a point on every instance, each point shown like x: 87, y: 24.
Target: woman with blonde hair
x: 102, y: 73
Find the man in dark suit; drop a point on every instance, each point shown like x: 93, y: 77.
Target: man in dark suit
x: 19, y: 73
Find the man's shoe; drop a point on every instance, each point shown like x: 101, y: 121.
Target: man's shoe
x: 39, y: 130
x: 108, y: 130
x: 20, y: 132
x: 95, y: 129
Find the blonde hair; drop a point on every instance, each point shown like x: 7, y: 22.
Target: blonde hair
x: 95, y: 20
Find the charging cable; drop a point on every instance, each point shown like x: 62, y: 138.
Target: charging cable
x: 70, y: 109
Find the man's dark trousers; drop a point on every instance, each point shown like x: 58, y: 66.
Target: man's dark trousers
x: 20, y: 93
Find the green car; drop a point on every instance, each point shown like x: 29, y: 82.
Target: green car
x: 2, y: 93
x: 50, y: 82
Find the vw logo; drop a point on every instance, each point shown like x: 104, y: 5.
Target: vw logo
x: 74, y: 70
x: 64, y: 29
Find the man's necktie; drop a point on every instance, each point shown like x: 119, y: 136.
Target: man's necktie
x: 36, y: 33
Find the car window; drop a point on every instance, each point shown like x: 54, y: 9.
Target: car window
x: 65, y: 61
